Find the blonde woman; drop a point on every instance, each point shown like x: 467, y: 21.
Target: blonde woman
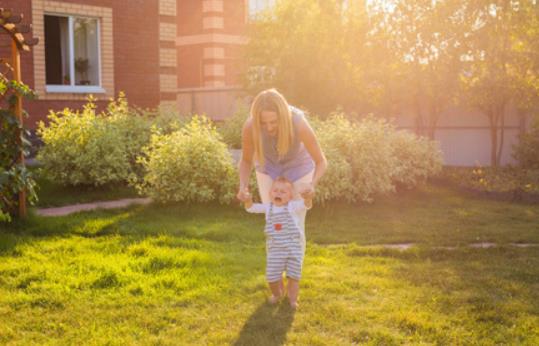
x: 278, y: 141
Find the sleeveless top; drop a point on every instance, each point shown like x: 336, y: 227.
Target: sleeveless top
x: 295, y: 164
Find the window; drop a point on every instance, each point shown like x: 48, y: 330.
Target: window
x: 72, y: 61
x: 257, y: 6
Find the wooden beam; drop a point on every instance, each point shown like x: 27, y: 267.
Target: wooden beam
x: 16, y: 63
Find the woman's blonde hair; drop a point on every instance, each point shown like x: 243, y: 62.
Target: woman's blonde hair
x: 271, y: 100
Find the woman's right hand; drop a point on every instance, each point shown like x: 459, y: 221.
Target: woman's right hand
x: 243, y: 194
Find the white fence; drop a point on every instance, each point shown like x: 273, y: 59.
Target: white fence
x: 464, y: 136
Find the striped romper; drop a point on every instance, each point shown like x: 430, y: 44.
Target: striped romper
x: 285, y: 240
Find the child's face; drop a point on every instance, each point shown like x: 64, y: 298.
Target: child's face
x: 281, y: 193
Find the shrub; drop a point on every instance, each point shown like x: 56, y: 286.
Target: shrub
x: 83, y: 148
x: 232, y: 127
x: 87, y: 148
x: 191, y: 164
x: 526, y: 152
x: 337, y: 182
x: 489, y: 179
x: 363, y: 145
x: 417, y: 158
x: 370, y: 157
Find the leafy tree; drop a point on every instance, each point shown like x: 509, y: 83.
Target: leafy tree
x: 501, y: 69
x: 425, y: 37
x: 314, y: 52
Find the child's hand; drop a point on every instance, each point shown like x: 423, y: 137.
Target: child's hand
x: 307, y: 192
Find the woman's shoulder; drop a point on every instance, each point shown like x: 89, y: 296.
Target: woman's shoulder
x: 299, y: 119
x: 248, y: 124
x: 296, y: 112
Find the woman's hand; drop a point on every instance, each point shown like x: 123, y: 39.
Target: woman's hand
x: 243, y: 194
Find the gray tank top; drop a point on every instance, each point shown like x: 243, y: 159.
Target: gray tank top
x: 295, y: 164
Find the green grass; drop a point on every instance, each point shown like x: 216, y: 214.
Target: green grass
x: 54, y: 195
x: 181, y: 274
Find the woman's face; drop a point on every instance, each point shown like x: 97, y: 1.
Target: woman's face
x: 269, y: 122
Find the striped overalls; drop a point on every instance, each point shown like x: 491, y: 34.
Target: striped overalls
x: 284, y: 246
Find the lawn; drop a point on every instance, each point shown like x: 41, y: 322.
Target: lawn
x: 54, y: 195
x: 179, y: 274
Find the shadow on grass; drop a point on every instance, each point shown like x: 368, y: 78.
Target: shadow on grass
x: 268, y: 325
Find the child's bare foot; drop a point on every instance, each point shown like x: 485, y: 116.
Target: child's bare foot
x: 274, y: 299
x: 294, y: 305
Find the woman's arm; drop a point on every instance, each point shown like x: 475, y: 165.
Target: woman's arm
x: 246, y: 160
x: 308, y: 138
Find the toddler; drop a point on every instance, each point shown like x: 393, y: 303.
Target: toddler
x: 285, y: 238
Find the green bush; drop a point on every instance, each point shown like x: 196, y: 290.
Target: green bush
x: 83, y: 148
x: 191, y: 164
x: 417, y: 158
x: 232, y: 127
x: 370, y: 157
x: 527, y: 150
x: 489, y: 179
x: 90, y: 148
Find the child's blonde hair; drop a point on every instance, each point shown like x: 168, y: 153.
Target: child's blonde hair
x: 284, y: 180
x: 271, y: 100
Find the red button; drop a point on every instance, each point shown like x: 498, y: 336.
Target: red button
x: 278, y: 227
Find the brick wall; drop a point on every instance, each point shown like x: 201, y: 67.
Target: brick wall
x: 131, y: 64
x: 136, y: 50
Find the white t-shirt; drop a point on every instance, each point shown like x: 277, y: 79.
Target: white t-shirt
x: 296, y: 208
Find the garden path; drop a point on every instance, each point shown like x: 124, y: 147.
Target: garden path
x: 75, y: 208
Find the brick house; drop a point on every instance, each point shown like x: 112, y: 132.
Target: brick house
x: 179, y: 53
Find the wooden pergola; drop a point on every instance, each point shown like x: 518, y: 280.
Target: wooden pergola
x: 11, y: 24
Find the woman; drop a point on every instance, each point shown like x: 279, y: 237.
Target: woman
x: 278, y: 141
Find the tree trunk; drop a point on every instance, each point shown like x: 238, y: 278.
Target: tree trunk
x: 521, y: 121
x: 433, y: 120
x: 501, y: 117
x: 419, y: 125
x: 493, y: 137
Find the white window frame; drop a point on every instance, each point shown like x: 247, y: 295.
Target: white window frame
x: 72, y: 88
x: 253, y: 11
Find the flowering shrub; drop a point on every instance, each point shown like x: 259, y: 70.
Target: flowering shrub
x: 191, y: 164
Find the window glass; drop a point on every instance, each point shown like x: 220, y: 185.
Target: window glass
x: 57, y: 53
x: 86, y: 50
